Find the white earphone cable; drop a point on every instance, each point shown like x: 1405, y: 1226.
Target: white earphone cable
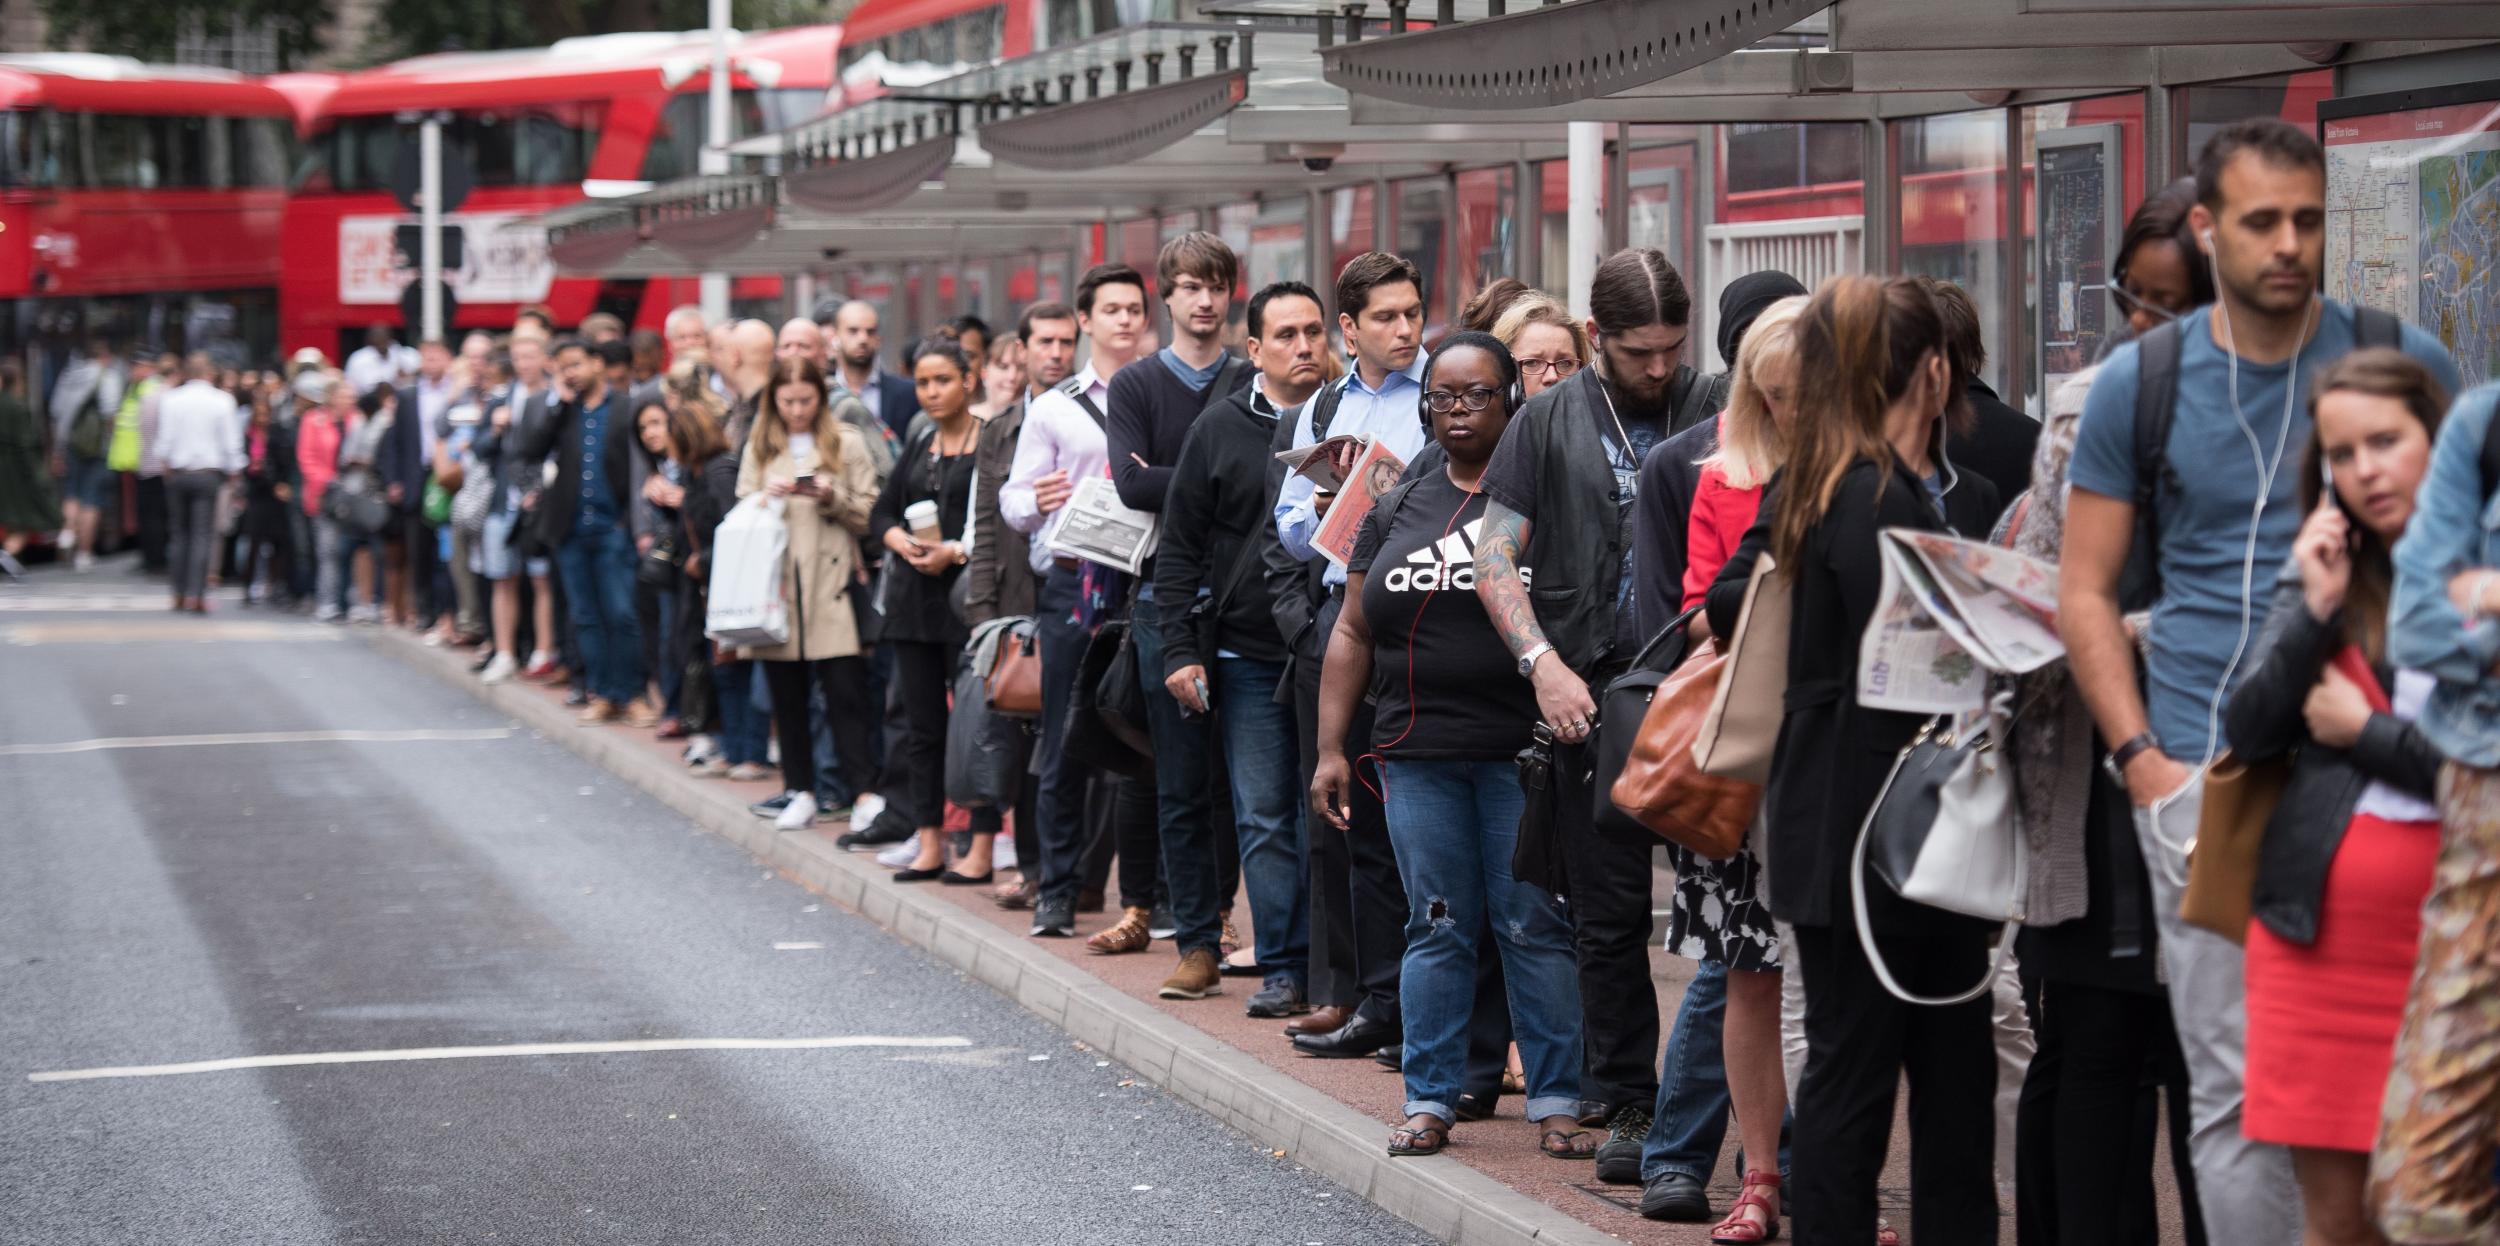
x: 2267, y: 471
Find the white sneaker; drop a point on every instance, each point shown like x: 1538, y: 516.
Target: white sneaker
x: 748, y: 772
x: 901, y: 854
x: 864, y: 810
x: 700, y: 749
x: 328, y: 614
x: 799, y: 814
x: 365, y: 614
x: 1003, y: 853
x: 501, y: 670
x: 82, y: 561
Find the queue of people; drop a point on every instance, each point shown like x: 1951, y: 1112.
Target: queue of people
x: 1383, y: 736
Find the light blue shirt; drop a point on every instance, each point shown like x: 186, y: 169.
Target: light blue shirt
x: 1390, y: 415
x: 2454, y: 527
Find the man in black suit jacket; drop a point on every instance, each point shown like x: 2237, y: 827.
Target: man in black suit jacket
x: 584, y: 513
x: 853, y: 329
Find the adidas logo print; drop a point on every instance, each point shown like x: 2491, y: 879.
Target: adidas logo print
x: 1446, y: 564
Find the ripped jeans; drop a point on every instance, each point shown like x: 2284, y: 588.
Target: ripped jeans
x: 1453, y: 824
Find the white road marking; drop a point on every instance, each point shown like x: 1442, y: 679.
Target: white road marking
x: 411, y: 735
x: 807, y: 945
x: 514, y: 1049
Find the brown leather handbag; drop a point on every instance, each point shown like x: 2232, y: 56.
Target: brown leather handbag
x: 1015, y: 682
x: 2240, y: 798
x: 1663, y: 789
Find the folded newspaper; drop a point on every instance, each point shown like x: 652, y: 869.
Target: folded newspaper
x: 1376, y: 471
x: 1951, y: 612
x: 1097, y: 527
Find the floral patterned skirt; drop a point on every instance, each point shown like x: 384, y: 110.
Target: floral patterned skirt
x: 1722, y: 910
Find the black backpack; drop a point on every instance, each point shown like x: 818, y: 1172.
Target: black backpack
x: 2156, y: 397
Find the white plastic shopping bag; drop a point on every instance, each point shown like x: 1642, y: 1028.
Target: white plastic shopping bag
x: 746, y: 607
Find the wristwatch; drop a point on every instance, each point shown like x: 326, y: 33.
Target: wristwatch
x: 2116, y: 762
x: 1527, y: 661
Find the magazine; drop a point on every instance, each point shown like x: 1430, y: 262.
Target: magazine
x: 1951, y: 612
x: 1376, y: 471
x: 1095, y: 526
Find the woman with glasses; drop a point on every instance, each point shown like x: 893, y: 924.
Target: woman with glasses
x: 1451, y: 711
x: 2160, y: 272
x: 1547, y: 344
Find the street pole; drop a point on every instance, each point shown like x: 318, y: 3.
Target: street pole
x: 1585, y: 175
x: 716, y: 147
x: 430, y: 227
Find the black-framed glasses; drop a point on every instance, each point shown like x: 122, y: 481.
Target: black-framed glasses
x: 1560, y: 369
x: 1441, y: 401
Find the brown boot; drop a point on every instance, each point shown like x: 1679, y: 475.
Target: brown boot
x: 1327, y: 1020
x: 641, y: 713
x: 1126, y: 935
x: 600, y: 710
x: 1197, y: 977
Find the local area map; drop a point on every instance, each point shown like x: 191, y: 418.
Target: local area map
x: 2413, y: 223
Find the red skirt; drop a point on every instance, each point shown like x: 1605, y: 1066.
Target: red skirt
x: 2322, y: 1019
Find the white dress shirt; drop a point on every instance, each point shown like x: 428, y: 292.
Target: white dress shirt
x: 1387, y: 414
x: 1058, y: 436
x: 197, y: 429
x: 368, y: 367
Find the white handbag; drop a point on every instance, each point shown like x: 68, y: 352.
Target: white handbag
x: 744, y: 607
x: 1943, y: 832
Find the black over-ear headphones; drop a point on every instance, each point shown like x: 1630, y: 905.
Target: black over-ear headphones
x: 1514, y: 395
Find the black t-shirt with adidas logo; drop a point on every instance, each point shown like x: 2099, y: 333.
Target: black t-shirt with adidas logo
x: 1430, y: 633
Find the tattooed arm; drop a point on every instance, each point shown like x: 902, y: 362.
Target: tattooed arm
x: 1561, y: 698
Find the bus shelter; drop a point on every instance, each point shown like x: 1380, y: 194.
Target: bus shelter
x: 1996, y: 143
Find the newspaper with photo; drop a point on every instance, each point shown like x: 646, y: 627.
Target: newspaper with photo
x: 1950, y: 613
x: 1375, y: 471
x: 1095, y: 526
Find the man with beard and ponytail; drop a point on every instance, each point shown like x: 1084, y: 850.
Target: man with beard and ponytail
x: 1560, y: 493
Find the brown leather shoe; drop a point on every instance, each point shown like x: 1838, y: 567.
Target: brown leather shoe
x: 641, y: 713
x: 1326, y: 1020
x: 1197, y: 977
x: 1127, y: 935
x: 1018, y: 898
x: 1229, y: 942
x: 600, y: 710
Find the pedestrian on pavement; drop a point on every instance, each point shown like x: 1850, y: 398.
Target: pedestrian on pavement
x: 1451, y: 712
x: 2239, y: 373
x: 582, y: 517
x: 84, y: 399
x: 29, y: 503
x: 818, y: 469
x: 1221, y: 656
x: 269, y: 487
x: 2348, y: 855
x: 199, y: 439
x: 726, y: 732
x: 919, y: 519
x: 2430, y: 1174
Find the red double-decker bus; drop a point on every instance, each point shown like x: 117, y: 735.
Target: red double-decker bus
x: 140, y: 203
x: 540, y: 128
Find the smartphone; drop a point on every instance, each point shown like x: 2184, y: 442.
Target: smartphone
x: 804, y: 484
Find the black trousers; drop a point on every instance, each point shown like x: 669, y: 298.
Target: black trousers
x: 845, y: 681
x: 1610, y: 933
x: 155, y: 523
x: 922, y: 672
x: 1358, y: 898
x: 2087, y: 1131
x: 1859, y: 1042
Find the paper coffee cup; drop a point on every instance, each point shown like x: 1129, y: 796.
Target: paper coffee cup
x: 922, y: 519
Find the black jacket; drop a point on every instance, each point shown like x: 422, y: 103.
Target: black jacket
x: 558, y: 434
x: 1999, y: 444
x: 2264, y: 721
x: 1662, y: 518
x: 1293, y: 584
x: 1216, y: 505
x: 1833, y: 756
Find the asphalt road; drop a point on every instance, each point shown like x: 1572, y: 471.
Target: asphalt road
x: 293, y: 892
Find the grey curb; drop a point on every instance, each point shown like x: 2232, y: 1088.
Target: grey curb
x: 1440, y: 1195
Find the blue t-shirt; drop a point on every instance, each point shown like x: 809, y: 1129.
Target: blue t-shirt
x: 598, y: 509
x: 2213, y: 595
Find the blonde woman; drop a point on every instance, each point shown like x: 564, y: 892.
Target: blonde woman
x: 1719, y: 914
x: 819, y: 468
x: 1547, y: 343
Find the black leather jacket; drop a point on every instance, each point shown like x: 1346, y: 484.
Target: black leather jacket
x: 2264, y: 721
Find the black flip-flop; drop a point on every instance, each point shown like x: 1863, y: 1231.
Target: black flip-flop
x: 1419, y: 1139
x: 1571, y: 1147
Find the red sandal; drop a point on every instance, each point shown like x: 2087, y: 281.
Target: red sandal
x: 1737, y: 1229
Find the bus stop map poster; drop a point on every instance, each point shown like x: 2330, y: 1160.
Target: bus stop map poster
x: 2413, y: 213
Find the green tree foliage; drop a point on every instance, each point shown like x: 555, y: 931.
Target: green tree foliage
x: 147, y: 28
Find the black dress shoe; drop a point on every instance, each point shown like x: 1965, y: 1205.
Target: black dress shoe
x: 1391, y: 1057
x: 1053, y: 919
x: 1361, y: 1037
x: 1476, y: 1107
x: 878, y: 835
x: 1675, y: 1196
x: 953, y: 879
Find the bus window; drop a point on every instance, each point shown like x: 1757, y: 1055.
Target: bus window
x: 928, y: 52
x: 25, y: 152
x: 677, y: 137
x: 535, y: 145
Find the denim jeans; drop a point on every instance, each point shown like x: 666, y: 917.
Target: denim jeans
x: 1454, y: 824
x: 741, y: 724
x: 1192, y: 877
x: 1690, y: 1123
x: 1259, y: 752
x: 597, y: 565
x: 336, y: 554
